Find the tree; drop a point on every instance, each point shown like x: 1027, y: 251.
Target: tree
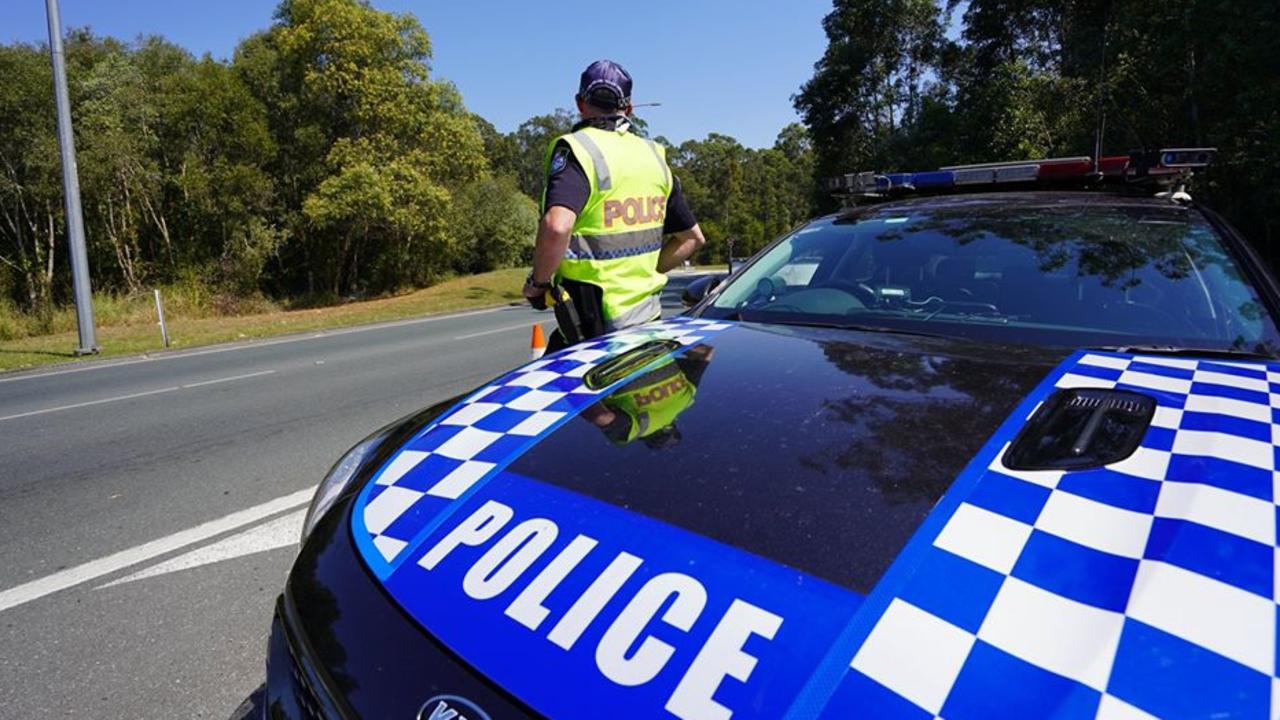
x: 1034, y: 78
x: 213, y: 151
x: 117, y: 148
x: 323, y: 158
x: 871, y: 82
x: 501, y: 150
x: 531, y: 140
x: 370, y: 149
x: 170, y: 158
x: 750, y: 195
x: 30, y: 218
x: 1182, y: 73
x: 495, y: 225
x: 793, y: 172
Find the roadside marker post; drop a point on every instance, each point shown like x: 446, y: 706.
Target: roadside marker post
x: 164, y: 329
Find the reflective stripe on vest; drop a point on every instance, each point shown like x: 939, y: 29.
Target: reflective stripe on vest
x: 617, y: 245
x: 662, y: 161
x: 647, y: 310
x: 603, y: 181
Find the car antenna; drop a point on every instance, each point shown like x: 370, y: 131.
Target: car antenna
x: 1102, y: 94
x: 652, y: 104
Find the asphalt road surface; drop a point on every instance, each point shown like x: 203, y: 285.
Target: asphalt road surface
x: 150, y: 508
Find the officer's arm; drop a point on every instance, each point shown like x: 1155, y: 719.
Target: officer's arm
x: 553, y: 240
x: 680, y: 247
x: 684, y: 236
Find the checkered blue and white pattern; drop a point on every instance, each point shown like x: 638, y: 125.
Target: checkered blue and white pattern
x: 1146, y: 588
x: 489, y: 429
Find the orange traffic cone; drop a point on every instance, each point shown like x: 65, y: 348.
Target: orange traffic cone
x: 538, y: 345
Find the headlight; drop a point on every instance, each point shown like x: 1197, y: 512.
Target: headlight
x: 337, y: 480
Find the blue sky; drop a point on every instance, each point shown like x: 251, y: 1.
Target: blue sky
x: 716, y: 65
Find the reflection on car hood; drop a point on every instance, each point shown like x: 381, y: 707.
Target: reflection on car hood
x: 777, y: 521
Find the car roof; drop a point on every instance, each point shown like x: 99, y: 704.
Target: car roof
x: 1030, y: 199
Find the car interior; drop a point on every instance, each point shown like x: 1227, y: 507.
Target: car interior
x: 988, y: 279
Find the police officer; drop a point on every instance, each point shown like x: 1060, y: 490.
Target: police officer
x: 610, y: 201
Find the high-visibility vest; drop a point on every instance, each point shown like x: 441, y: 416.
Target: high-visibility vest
x: 653, y: 401
x: 617, y: 236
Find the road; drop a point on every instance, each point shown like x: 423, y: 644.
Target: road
x: 150, y: 508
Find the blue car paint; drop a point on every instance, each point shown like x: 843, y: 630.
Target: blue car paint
x: 948, y: 587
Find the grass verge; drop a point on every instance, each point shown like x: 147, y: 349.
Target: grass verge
x: 493, y: 288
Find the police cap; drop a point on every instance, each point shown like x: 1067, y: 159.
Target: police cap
x: 605, y: 85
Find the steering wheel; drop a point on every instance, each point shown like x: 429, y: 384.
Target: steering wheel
x: 864, y: 292
x: 763, y: 293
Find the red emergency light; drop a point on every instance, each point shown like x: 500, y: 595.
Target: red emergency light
x: 1132, y: 167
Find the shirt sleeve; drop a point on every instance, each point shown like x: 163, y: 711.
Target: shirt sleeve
x: 679, y: 217
x: 567, y: 183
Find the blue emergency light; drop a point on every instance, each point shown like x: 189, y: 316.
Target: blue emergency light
x: 1169, y: 163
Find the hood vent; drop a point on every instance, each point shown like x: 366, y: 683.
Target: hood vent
x: 1081, y: 429
x: 620, y: 366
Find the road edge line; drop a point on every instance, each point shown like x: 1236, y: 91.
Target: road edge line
x: 77, y: 366
x: 85, y: 572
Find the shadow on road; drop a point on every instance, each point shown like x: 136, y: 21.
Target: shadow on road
x: 253, y: 706
x: 38, y: 352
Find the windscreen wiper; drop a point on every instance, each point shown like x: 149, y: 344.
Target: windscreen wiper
x: 738, y: 316
x: 1181, y: 350
x: 892, y: 331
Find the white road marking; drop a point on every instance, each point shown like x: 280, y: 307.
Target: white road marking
x: 246, y: 344
x: 246, y: 376
x: 95, y: 569
x: 278, y: 533
x: 495, y: 331
x: 73, y: 406
x: 131, y: 396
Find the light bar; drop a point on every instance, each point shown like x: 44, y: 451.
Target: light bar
x: 1187, y: 157
x: 1113, y: 165
x: 1170, y: 161
x: 1020, y: 170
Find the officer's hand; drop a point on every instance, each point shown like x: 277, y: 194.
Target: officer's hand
x: 536, y: 296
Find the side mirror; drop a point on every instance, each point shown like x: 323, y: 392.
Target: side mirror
x: 695, y: 291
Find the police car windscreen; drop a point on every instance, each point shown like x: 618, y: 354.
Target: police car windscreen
x: 1093, y: 274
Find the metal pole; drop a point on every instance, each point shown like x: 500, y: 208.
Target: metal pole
x: 164, y: 329
x: 71, y: 187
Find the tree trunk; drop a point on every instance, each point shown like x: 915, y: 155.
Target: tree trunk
x: 162, y: 225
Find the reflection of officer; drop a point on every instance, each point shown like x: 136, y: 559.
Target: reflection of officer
x: 609, y: 201
x: 646, y: 408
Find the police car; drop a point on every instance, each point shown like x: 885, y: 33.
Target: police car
x: 994, y: 441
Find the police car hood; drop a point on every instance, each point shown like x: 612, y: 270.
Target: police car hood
x: 773, y: 520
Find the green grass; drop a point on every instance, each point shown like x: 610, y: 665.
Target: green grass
x: 128, y: 326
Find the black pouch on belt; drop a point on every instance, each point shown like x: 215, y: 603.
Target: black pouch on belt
x: 566, y: 314
x: 582, y: 316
